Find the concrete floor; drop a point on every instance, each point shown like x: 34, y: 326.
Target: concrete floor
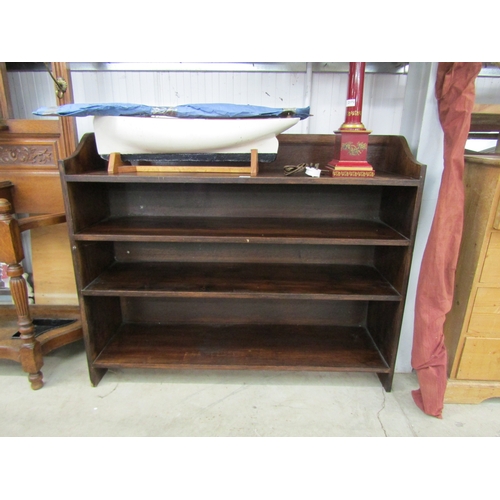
x: 160, y: 403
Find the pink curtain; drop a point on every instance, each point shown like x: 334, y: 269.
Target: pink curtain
x: 455, y: 93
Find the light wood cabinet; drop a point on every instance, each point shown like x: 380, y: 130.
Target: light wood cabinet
x: 472, y: 328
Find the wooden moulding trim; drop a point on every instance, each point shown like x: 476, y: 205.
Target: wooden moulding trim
x: 26, y: 128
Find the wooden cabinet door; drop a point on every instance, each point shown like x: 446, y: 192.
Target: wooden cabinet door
x: 480, y: 359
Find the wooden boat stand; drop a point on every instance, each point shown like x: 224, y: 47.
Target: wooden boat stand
x: 117, y: 165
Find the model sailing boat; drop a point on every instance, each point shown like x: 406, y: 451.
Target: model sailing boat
x: 190, y: 132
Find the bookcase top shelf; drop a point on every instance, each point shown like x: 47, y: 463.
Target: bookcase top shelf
x: 389, y: 155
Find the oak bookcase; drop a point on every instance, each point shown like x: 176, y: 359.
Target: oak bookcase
x: 216, y: 271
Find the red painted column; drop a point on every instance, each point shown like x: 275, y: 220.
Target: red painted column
x: 351, y: 147
x: 354, y: 104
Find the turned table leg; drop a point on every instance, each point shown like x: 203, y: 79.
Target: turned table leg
x: 31, y: 351
x: 12, y: 254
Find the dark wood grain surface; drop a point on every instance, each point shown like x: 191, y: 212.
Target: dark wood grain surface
x: 242, y: 229
x: 243, y: 280
x: 242, y: 347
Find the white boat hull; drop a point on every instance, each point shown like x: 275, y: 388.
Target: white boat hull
x: 165, y: 135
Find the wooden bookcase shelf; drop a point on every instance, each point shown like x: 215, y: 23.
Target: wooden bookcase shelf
x: 244, y: 230
x: 237, y: 272
x: 242, y: 346
x: 243, y: 280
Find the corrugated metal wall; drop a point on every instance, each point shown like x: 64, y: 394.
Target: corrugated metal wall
x: 325, y: 92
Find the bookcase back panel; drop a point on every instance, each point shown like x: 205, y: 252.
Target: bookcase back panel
x: 234, y: 200
x: 233, y: 311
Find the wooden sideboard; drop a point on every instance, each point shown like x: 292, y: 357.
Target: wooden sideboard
x: 472, y: 328
x: 29, y: 155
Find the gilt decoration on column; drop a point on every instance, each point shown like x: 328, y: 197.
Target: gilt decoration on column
x: 350, y: 152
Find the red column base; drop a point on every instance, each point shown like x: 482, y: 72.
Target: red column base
x: 350, y: 154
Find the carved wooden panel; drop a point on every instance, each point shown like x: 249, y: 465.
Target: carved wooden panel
x: 28, y: 154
